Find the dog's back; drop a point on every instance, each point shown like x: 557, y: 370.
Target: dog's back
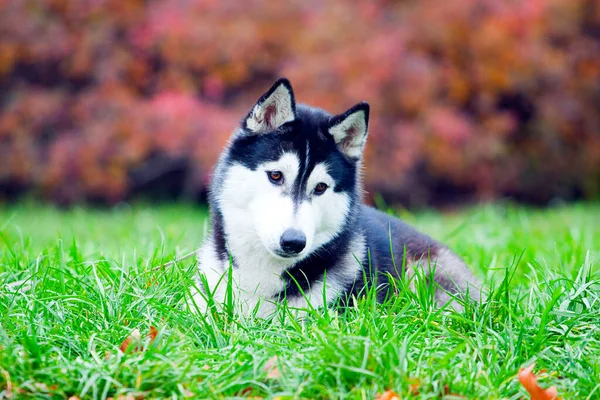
x: 397, y: 249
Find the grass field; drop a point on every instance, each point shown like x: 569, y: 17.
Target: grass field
x: 74, y: 284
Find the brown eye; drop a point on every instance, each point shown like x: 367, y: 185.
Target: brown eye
x: 275, y: 177
x: 321, y: 188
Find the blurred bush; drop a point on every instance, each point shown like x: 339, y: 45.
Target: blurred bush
x: 471, y: 99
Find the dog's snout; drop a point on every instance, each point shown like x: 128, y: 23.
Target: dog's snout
x: 292, y: 241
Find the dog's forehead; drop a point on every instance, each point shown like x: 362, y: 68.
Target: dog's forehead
x: 307, y: 135
x: 308, y: 140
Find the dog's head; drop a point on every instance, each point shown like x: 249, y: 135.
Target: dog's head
x: 288, y: 182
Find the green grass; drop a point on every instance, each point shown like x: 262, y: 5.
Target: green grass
x: 74, y: 284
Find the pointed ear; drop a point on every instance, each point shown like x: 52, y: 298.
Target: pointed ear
x: 273, y: 109
x: 349, y: 130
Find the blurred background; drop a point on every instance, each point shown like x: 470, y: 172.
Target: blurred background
x: 103, y: 101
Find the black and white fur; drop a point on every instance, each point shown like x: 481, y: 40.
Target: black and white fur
x: 285, y: 239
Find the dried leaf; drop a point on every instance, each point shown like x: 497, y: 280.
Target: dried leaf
x: 8, y: 382
x: 530, y: 383
x: 137, y: 337
x: 413, y: 388
x: 271, y: 368
x: 153, y: 333
x: 388, y: 395
x: 245, y: 392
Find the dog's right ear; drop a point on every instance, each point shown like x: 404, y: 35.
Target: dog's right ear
x: 273, y: 109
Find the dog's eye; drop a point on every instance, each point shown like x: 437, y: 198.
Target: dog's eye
x: 275, y: 177
x: 320, y: 188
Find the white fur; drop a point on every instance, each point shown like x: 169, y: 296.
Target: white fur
x: 255, y: 214
x: 335, y: 283
x: 254, y: 208
x: 250, y: 287
x: 255, y: 288
x: 281, y: 99
x: 330, y: 208
x: 350, y: 134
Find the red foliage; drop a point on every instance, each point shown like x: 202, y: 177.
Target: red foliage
x: 470, y: 98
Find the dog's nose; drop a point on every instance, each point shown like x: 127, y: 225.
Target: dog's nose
x: 292, y: 241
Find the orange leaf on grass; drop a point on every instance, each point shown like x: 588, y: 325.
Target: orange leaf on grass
x: 530, y: 383
x: 388, y: 395
x: 136, y: 336
x: 413, y: 388
x: 152, y: 334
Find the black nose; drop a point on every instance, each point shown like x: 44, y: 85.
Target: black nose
x: 292, y: 241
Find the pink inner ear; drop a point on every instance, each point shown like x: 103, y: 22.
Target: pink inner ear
x: 351, y: 132
x: 347, y: 141
x: 270, y: 115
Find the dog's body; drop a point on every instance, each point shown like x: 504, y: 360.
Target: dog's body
x: 288, y: 223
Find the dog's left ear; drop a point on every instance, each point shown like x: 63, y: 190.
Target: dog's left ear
x: 349, y: 130
x: 273, y: 109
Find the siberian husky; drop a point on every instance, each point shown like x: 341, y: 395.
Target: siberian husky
x: 287, y: 220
